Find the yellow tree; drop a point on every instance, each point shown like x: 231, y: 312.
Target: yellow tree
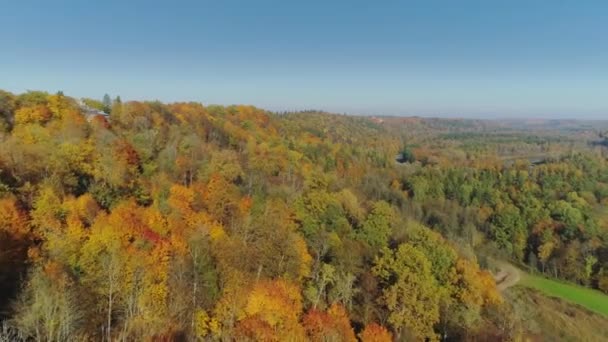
x: 58, y: 104
x: 102, y: 263
x: 278, y: 304
x: 220, y: 198
x: 39, y: 114
x: 410, y: 293
x: 47, y: 212
x: 464, y: 288
x: 153, y: 300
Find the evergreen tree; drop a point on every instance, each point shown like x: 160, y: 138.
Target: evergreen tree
x: 107, y: 103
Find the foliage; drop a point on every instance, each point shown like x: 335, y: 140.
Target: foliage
x: 184, y: 221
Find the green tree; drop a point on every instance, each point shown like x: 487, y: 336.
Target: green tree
x: 508, y: 229
x: 376, y: 229
x: 8, y: 104
x: 410, y: 293
x: 107, y: 103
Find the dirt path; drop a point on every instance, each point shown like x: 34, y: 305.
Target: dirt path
x: 507, y: 276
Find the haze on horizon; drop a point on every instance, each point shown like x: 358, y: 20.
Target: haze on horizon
x: 482, y: 59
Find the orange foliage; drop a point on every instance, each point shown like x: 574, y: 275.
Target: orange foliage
x: 54, y: 271
x: 245, y: 205
x: 277, y: 303
x: 375, y: 333
x: 181, y: 199
x: 13, y: 220
x: 255, y: 329
x: 84, y: 209
x: 333, y: 324
x: 14, y: 240
x: 129, y: 220
x: 474, y: 286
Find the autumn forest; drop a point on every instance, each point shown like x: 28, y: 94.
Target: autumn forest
x: 150, y: 221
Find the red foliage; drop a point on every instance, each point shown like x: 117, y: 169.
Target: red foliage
x: 99, y: 120
x: 151, y: 235
x: 124, y: 150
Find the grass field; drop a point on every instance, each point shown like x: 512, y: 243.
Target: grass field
x: 591, y: 299
x: 545, y: 318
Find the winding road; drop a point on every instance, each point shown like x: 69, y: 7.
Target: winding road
x: 507, y: 276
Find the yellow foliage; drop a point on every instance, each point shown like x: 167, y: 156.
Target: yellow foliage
x: 205, y: 325
x: 545, y: 250
x: 58, y: 104
x: 37, y: 114
x: 475, y: 287
x: 181, y: 197
x: 156, y: 221
x: 277, y: 302
x: 81, y: 210
x: 231, y: 305
x: 305, y: 257
x: 155, y: 293
x: 47, y: 210
x: 216, y: 232
x: 179, y: 245
x: 410, y: 293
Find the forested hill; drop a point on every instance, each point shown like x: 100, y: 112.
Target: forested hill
x: 183, y: 221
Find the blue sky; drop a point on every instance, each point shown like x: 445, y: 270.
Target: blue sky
x: 440, y: 58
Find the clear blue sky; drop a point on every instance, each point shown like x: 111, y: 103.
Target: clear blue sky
x: 446, y: 58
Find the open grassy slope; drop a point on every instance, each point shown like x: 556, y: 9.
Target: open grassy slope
x: 588, y: 298
x: 543, y: 318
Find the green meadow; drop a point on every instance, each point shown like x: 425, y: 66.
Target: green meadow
x: 591, y: 299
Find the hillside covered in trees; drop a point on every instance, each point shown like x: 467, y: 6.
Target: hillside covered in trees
x: 189, y: 222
